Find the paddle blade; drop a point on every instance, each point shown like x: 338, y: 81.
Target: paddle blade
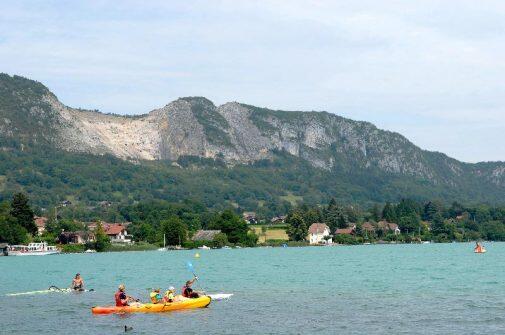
x: 190, y: 267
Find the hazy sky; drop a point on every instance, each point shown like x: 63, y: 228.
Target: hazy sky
x: 431, y: 70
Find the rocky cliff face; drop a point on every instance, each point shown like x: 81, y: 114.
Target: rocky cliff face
x: 234, y: 132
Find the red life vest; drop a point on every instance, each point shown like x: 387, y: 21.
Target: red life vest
x: 118, y: 299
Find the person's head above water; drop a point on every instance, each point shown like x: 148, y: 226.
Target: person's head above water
x: 171, y: 288
x: 121, y: 287
x: 77, y: 275
x: 188, y: 283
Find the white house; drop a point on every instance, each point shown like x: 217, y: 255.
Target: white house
x: 117, y: 233
x: 318, y: 232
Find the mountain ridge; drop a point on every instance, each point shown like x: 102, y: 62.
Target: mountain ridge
x: 235, y: 133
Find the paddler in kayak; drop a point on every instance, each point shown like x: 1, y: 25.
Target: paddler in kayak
x: 155, y: 296
x: 77, y: 283
x: 121, y: 298
x: 187, y: 291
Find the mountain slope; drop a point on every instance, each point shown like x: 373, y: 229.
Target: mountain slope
x: 239, y: 134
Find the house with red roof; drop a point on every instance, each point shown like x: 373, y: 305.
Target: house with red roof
x: 319, y: 233
x: 345, y: 231
x: 388, y: 227
x: 117, y: 233
x: 40, y: 222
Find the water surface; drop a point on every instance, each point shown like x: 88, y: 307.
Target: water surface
x: 375, y: 289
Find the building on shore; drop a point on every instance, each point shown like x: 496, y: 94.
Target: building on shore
x: 278, y: 219
x: 40, y: 222
x: 76, y: 237
x: 388, y: 227
x: 205, y: 235
x: 117, y: 233
x: 250, y: 217
x: 319, y: 233
x: 345, y: 231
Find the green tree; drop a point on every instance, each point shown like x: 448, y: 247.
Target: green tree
x: 297, y: 229
x: 388, y: 213
x: 220, y: 240
x: 232, y: 225
x: 22, y: 212
x: 375, y: 213
x: 430, y: 210
x: 102, y: 241
x: 175, y: 230
x: 410, y: 223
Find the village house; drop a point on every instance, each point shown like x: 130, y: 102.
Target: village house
x: 318, y: 232
x: 388, y: 227
x: 40, y: 222
x: 205, y: 235
x: 345, y: 231
x: 368, y: 227
x: 117, y: 233
x: 250, y: 217
x: 76, y: 237
x: 278, y: 219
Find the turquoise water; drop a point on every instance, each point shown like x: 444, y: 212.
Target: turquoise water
x: 375, y: 289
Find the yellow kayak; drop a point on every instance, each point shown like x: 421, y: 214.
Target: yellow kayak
x: 200, y: 302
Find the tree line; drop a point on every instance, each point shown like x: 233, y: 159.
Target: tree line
x: 426, y: 221
x: 150, y: 222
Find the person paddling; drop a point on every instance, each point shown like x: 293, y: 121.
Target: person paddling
x: 121, y: 298
x: 187, y: 291
x: 77, y: 283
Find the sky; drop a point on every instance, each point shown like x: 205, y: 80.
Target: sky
x: 433, y: 71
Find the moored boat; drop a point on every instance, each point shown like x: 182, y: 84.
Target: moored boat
x: 32, y: 249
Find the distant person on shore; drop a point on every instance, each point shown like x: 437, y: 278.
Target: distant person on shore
x: 155, y: 296
x: 169, y: 295
x: 121, y: 298
x: 77, y: 283
x: 187, y: 291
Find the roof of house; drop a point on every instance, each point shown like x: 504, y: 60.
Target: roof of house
x: 113, y: 229
x: 387, y: 225
x: 368, y: 226
x: 393, y: 226
x: 81, y: 233
x: 344, y: 231
x: 318, y: 228
x: 40, y: 221
x: 205, y: 235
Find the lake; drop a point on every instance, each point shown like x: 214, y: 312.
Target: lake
x: 373, y: 289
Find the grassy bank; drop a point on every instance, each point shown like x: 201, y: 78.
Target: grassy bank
x: 139, y: 246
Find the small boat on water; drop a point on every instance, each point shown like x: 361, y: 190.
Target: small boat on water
x: 33, y: 249
x: 185, y: 303
x: 204, y: 247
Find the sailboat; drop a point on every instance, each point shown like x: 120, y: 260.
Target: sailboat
x: 164, y: 244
